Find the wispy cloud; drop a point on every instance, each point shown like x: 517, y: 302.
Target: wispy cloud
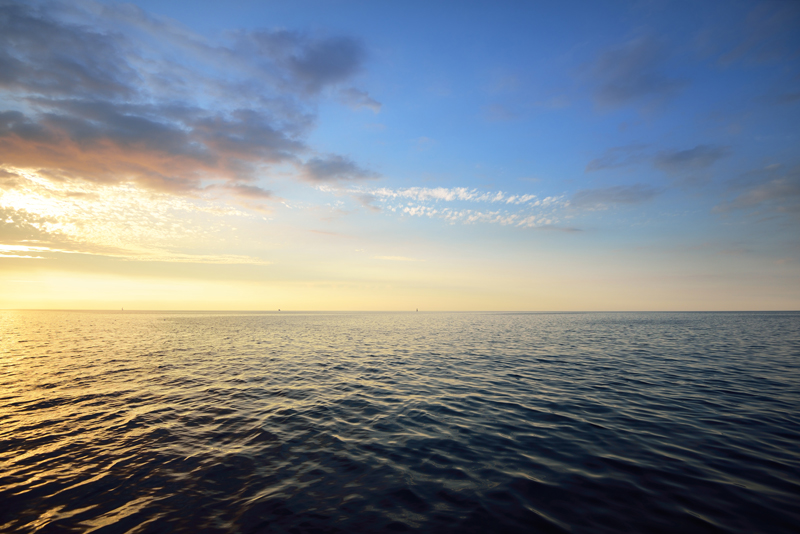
x: 634, y: 72
x: 249, y: 191
x: 685, y: 167
x: 617, y: 157
x: 603, y: 198
x: 469, y: 216
x: 120, y: 220
x: 333, y: 167
x: 457, y: 194
x: 768, y: 33
x: 771, y: 190
x: 524, y: 210
x: 693, y: 159
x: 368, y: 201
x: 357, y: 99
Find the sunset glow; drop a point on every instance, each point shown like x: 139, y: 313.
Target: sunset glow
x: 337, y: 155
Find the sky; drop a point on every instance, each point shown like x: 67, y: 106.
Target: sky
x: 369, y: 155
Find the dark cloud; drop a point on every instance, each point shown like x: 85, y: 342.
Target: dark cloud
x: 109, y: 93
x: 326, y: 62
x: 634, y: 72
x: 39, y: 55
x: 622, y: 194
x: 17, y: 124
x: 617, y: 157
x: 300, y: 60
x: 333, y: 167
x: 768, y: 191
x: 358, y: 99
x: 698, y: 158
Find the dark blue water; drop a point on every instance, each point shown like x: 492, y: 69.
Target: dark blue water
x: 599, y: 422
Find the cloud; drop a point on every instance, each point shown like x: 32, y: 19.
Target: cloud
x: 617, y: 157
x: 603, y: 198
x: 769, y: 33
x: 684, y: 166
x: 326, y: 61
x: 470, y: 216
x: 565, y: 229
x: 452, y: 194
x: 110, y: 94
x: 698, y: 158
x: 46, y: 57
x: 357, y: 99
x: 368, y: 201
x: 119, y: 220
x: 634, y: 72
x: 769, y: 190
x: 333, y: 167
x: 249, y: 191
x: 19, y: 226
x: 522, y: 210
x: 9, y: 180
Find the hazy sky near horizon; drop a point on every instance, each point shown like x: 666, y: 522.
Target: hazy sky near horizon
x: 344, y: 155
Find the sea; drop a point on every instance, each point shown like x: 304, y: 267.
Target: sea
x: 152, y: 422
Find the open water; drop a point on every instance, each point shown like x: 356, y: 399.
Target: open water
x: 376, y: 422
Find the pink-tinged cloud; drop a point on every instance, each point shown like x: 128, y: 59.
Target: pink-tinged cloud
x: 167, y: 109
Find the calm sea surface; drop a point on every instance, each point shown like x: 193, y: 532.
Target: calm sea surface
x: 373, y: 422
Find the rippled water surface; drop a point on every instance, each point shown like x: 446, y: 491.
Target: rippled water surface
x: 600, y: 422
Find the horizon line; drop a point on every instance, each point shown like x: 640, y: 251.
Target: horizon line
x: 276, y: 311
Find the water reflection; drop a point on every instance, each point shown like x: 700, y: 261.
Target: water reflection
x: 373, y: 422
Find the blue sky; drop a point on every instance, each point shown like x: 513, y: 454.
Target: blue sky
x: 375, y: 155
